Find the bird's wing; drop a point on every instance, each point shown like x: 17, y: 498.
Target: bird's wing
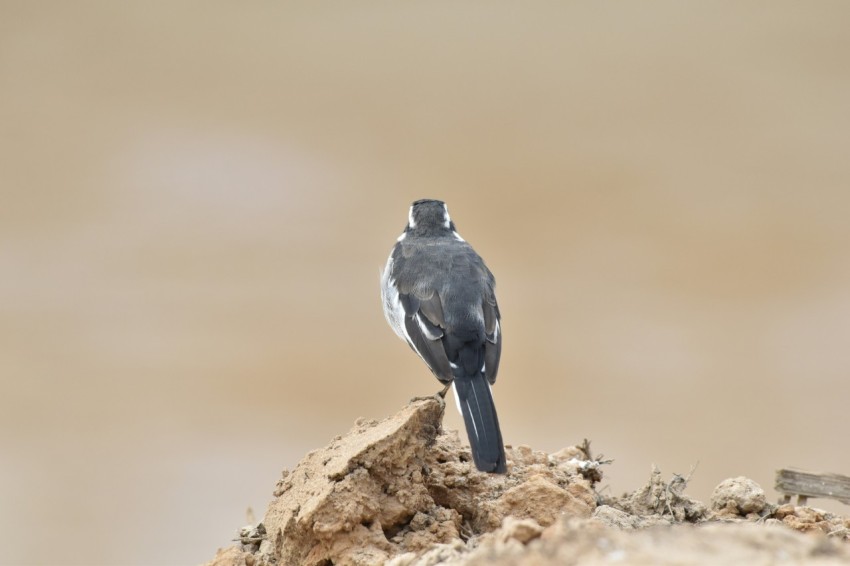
x: 422, y: 319
x: 424, y: 326
x: 493, y: 342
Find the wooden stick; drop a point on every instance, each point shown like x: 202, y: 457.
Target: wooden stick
x: 811, y: 484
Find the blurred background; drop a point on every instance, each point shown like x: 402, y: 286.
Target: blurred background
x: 196, y: 199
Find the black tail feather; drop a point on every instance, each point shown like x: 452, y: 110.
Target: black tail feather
x: 482, y: 424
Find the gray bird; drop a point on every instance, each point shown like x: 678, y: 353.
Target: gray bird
x: 439, y: 297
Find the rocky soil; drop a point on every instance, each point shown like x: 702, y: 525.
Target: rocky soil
x: 404, y: 492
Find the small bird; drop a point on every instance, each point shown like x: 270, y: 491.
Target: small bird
x: 438, y: 296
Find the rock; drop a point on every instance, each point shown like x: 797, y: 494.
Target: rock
x: 612, y: 517
x: 659, y: 499
x: 232, y: 556
x: 349, y: 502
x: 402, y: 491
x: 440, y: 554
x: 540, y: 499
x: 521, y: 530
x: 806, y: 519
x: 738, y: 496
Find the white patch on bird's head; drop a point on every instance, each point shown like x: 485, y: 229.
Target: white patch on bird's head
x: 429, y: 217
x: 447, y: 222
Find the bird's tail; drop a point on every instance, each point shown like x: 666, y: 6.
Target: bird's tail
x: 475, y: 402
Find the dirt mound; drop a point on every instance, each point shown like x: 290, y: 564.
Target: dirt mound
x: 402, y: 491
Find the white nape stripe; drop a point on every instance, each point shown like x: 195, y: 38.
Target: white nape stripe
x: 410, y: 221
x: 403, y: 236
x: 457, y: 236
x: 447, y: 221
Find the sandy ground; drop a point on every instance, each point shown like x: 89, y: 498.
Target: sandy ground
x: 403, y: 492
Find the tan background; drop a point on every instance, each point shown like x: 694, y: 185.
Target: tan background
x: 197, y: 198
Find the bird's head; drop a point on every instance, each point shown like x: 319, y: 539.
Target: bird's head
x: 429, y: 217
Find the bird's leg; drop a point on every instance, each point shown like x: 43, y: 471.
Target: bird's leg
x: 440, y: 395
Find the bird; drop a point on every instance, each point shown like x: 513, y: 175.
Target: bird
x: 439, y: 296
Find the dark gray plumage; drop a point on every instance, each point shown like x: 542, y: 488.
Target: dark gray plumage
x: 438, y: 295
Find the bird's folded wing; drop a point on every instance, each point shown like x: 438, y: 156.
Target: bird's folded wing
x: 424, y: 324
x: 493, y: 344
